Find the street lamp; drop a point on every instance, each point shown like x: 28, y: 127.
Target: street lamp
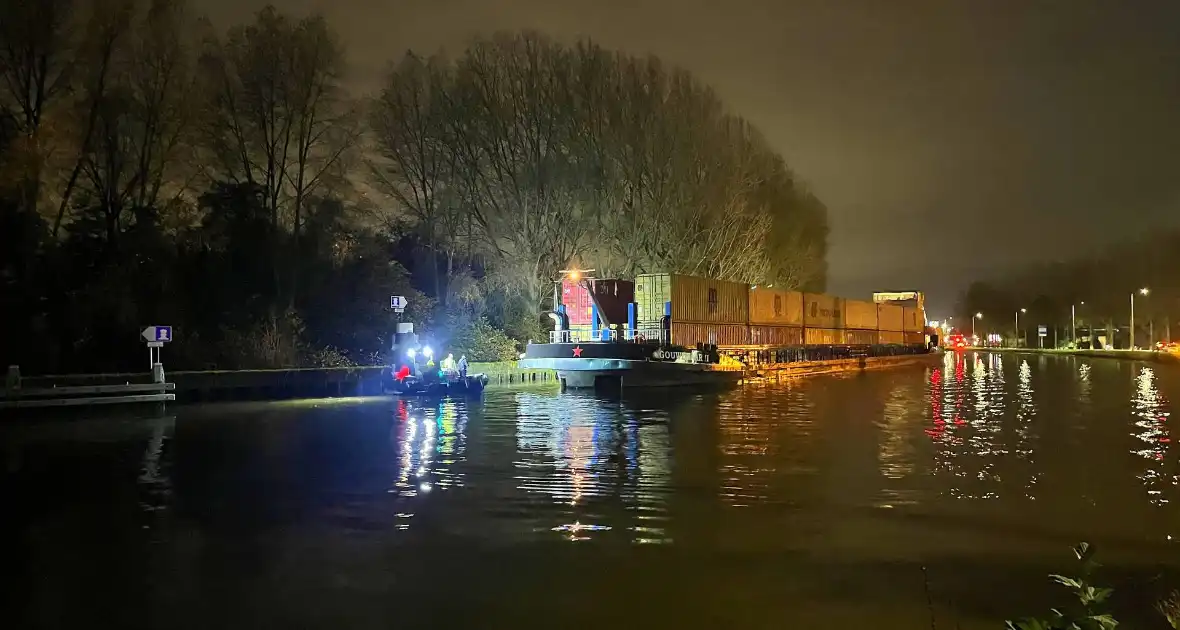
x: 1018, y: 325
x: 1073, y: 323
x: 974, y: 337
x: 1144, y: 291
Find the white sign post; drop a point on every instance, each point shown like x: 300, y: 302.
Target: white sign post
x: 156, y: 337
x: 398, y: 303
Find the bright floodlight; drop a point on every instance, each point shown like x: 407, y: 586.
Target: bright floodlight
x: 979, y: 316
x: 1023, y: 310
x: 427, y: 351
x: 411, y: 352
x: 574, y: 276
x: 1144, y: 291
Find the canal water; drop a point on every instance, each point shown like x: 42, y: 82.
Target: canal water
x: 936, y: 496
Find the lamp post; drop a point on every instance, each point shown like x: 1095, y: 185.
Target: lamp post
x: 1018, y: 325
x: 1144, y: 291
x: 974, y: 337
x: 1073, y: 324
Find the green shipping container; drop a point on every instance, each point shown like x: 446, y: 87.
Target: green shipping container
x: 694, y: 300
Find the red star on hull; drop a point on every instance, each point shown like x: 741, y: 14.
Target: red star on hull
x: 578, y: 351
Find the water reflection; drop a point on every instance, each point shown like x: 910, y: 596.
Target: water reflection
x: 431, y: 440
x: 1151, y: 410
x: 154, y: 478
x: 588, y: 454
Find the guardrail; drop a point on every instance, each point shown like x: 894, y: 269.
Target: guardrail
x: 16, y: 397
x: 640, y: 335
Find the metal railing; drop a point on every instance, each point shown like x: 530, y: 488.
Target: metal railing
x: 607, y: 335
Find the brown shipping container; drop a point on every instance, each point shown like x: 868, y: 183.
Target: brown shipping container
x: 915, y: 339
x: 694, y: 300
x: 914, y: 320
x: 783, y: 308
x: 889, y: 318
x: 824, y: 337
x: 860, y: 315
x: 776, y: 335
x: 686, y: 334
x: 891, y: 337
x: 860, y: 337
x: 822, y: 311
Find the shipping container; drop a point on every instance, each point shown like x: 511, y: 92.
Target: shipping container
x: 860, y: 315
x: 913, y: 319
x: 776, y: 335
x: 690, y: 334
x: 822, y: 311
x: 612, y: 295
x: 694, y: 300
x: 860, y: 337
x: 889, y: 318
x: 824, y: 337
x: 915, y: 338
x: 783, y: 308
x: 891, y: 337
x: 576, y: 300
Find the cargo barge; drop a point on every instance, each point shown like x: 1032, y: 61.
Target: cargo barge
x: 672, y: 329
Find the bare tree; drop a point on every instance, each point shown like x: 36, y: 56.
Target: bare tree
x: 278, y: 117
x: 414, y: 163
x: 108, y: 25
x: 143, y: 119
x: 37, y: 41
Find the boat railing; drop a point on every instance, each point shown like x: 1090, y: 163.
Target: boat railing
x: 637, y: 335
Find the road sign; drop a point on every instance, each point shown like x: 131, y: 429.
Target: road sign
x: 162, y: 334
x: 1042, y: 331
x: 398, y: 302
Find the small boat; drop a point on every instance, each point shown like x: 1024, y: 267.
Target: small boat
x: 470, y: 385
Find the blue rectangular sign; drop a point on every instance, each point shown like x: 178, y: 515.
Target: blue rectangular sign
x: 161, y: 334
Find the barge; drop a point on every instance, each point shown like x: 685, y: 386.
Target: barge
x: 671, y: 329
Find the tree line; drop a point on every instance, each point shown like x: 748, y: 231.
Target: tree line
x: 1095, y: 289
x: 155, y: 170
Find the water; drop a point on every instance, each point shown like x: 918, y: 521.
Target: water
x: 877, y: 500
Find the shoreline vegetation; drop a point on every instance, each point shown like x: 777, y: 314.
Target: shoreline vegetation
x: 232, y: 184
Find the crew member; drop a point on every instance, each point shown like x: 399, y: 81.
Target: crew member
x: 448, y: 364
x: 463, y: 366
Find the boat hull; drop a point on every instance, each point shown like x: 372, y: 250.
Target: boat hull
x: 587, y: 373
x: 471, y: 385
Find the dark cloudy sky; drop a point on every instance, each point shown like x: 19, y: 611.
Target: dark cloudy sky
x: 948, y: 138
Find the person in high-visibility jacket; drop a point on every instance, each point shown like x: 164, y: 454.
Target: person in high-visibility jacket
x: 448, y: 364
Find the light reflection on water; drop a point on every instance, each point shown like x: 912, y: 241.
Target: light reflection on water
x: 985, y: 459
x: 1152, y: 410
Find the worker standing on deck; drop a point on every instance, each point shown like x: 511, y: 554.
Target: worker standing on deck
x: 463, y: 366
x: 448, y: 364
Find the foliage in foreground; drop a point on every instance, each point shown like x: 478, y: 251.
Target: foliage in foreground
x: 1087, y: 614
x: 1088, y: 611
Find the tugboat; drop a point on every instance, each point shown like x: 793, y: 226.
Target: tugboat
x: 601, y: 354
x: 413, y: 371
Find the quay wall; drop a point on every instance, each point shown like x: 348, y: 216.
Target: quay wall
x: 208, y: 385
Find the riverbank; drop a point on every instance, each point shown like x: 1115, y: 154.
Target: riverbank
x: 1132, y: 355
x: 281, y: 384
x: 276, y: 384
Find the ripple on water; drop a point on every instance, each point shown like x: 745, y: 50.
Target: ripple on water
x: 986, y: 457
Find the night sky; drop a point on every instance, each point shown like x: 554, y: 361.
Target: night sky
x: 949, y: 139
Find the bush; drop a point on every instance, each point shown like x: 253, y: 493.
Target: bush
x: 480, y: 341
